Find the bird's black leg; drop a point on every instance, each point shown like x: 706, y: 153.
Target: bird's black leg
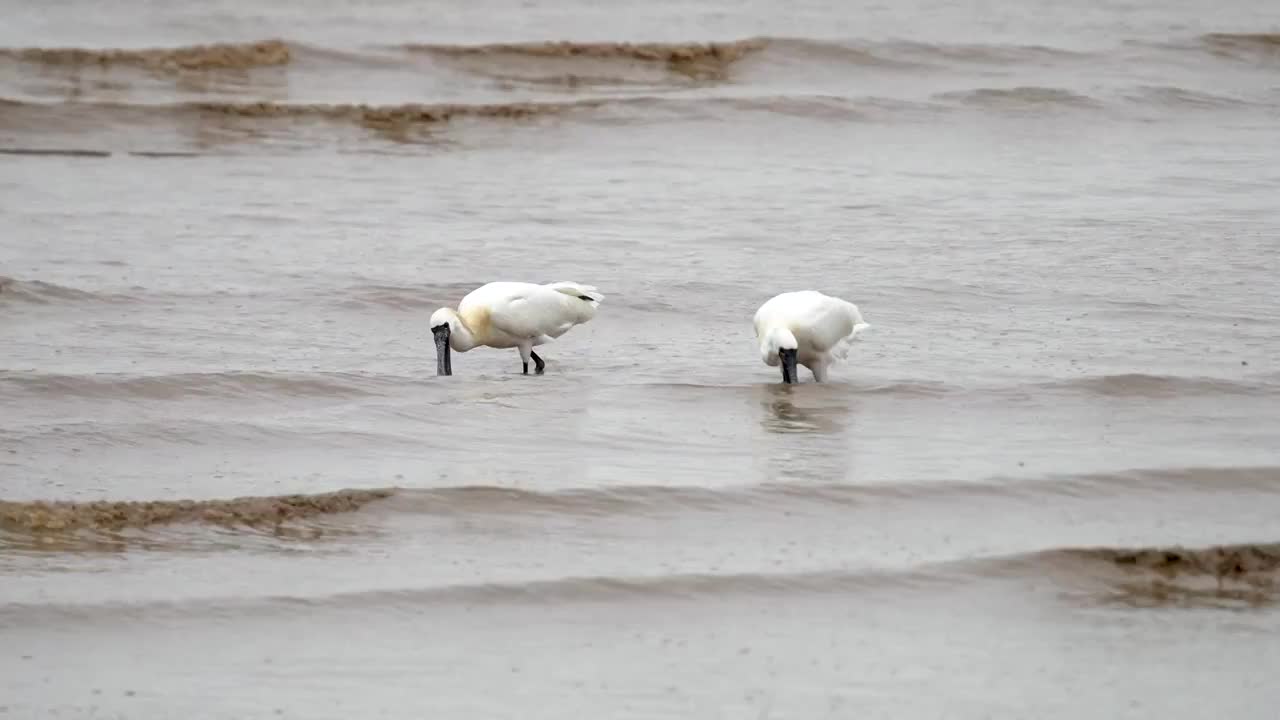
x: 526, y: 368
x: 539, y: 366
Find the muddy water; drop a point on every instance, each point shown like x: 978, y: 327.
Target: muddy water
x: 1045, y: 485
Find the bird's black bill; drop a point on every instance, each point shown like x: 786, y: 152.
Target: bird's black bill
x: 444, y: 364
x: 787, y: 358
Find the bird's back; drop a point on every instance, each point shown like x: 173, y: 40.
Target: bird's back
x: 489, y: 294
x: 819, y: 322
x: 528, y: 310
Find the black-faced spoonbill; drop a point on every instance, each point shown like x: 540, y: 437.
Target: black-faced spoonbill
x: 808, y: 328
x: 511, y: 315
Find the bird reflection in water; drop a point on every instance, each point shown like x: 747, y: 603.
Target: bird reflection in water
x: 806, y: 434
x: 804, y: 409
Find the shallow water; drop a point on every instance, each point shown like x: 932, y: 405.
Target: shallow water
x: 217, y: 266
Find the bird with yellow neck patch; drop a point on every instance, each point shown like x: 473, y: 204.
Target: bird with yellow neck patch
x: 511, y: 315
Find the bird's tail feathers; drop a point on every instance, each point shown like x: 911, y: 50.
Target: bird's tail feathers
x: 841, y: 351
x: 577, y: 290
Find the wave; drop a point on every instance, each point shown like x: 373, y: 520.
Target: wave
x: 690, y: 57
x: 1219, y: 561
x: 1248, y: 45
x: 394, y: 121
x: 381, y: 116
x: 915, y: 55
x: 630, y: 500
x: 641, y: 499
x: 1177, y: 97
x: 378, y: 115
x: 565, y: 64
x: 38, y: 292
x: 56, y: 152
x: 92, y: 153
x: 987, y: 54
x: 713, y: 60
x: 1123, y: 385
x: 909, y: 389
x: 243, y: 122
x: 220, y: 56
x: 1221, y: 576
x: 45, y: 516
x: 250, y: 384
x: 1227, y: 576
x: 1024, y: 97
x: 699, y: 60
x: 617, y: 589
x: 1141, y: 385
x: 233, y: 384
x: 367, y: 115
x: 709, y: 60
x: 655, y: 52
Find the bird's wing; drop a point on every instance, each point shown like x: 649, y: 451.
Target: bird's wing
x: 839, y: 322
x: 530, y: 311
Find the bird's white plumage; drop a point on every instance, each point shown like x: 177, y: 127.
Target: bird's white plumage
x: 524, y: 312
x: 819, y: 327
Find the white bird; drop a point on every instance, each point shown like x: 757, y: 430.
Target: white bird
x: 808, y: 328
x: 511, y: 315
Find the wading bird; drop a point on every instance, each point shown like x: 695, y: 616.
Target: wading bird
x: 511, y: 315
x: 806, y: 328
